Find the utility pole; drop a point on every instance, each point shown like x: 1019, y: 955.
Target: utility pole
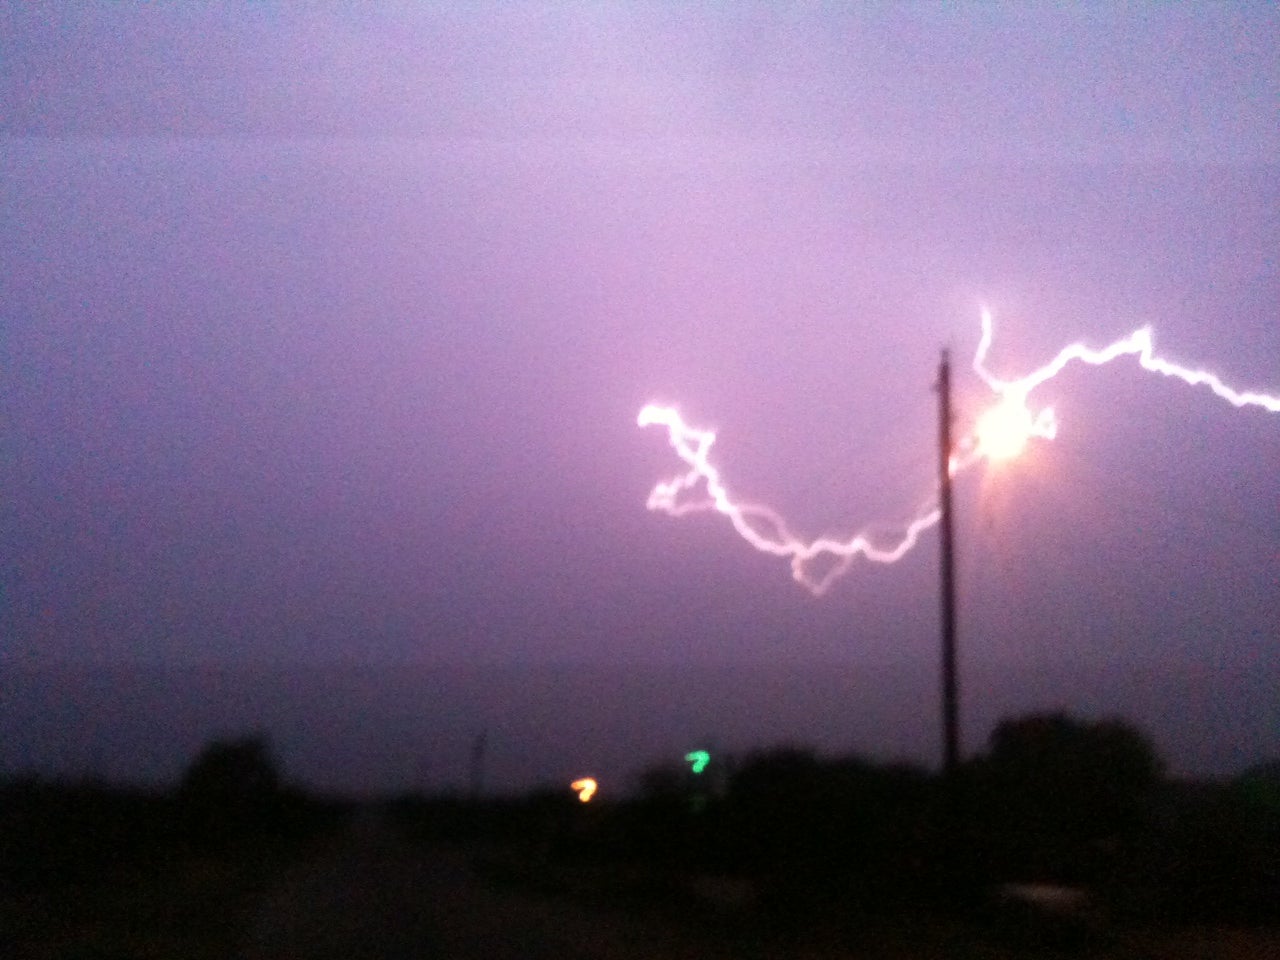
x: 478, y: 748
x: 950, y: 693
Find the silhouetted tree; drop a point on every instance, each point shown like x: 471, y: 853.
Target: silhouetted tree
x: 1222, y: 849
x: 230, y: 789
x: 810, y: 829
x: 1063, y: 798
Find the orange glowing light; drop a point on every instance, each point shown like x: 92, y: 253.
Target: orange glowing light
x: 586, y: 788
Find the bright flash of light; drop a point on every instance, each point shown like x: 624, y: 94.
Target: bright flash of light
x: 1004, y: 430
x: 1001, y: 432
x: 586, y: 789
x: 698, y: 760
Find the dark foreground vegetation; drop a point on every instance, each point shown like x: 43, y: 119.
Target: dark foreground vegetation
x: 1063, y: 838
x: 94, y: 870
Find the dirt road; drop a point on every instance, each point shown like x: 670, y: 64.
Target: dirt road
x: 372, y: 895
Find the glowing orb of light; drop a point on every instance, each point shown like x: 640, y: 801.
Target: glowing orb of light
x: 698, y: 760
x: 586, y: 788
x: 1002, y: 432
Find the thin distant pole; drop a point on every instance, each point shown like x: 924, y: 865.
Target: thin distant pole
x: 950, y: 692
x: 478, y: 748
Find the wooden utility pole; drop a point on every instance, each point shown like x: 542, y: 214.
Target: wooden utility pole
x: 478, y: 748
x: 950, y: 693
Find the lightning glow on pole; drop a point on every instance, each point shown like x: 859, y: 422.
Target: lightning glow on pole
x: 1000, y: 432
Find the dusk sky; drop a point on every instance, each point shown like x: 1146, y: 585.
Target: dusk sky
x: 325, y: 334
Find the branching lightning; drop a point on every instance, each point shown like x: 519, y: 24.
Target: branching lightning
x: 759, y: 525
x: 1005, y: 428
x: 1000, y: 432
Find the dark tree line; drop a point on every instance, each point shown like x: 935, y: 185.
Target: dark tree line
x: 230, y: 799
x: 1052, y: 801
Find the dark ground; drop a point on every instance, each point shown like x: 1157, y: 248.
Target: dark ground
x: 369, y: 892
x: 372, y: 894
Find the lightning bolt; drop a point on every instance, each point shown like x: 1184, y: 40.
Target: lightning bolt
x: 759, y: 525
x: 1002, y: 431
x: 1010, y: 420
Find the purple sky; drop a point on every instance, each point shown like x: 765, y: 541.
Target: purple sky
x: 325, y: 334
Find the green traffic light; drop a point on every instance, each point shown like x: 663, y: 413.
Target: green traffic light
x: 699, y: 759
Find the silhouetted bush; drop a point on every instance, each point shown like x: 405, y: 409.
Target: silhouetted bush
x: 230, y: 791
x: 805, y: 827
x: 1059, y: 799
x: 797, y: 828
x: 233, y: 792
x: 1221, y: 850
x: 232, y: 771
x: 667, y: 823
